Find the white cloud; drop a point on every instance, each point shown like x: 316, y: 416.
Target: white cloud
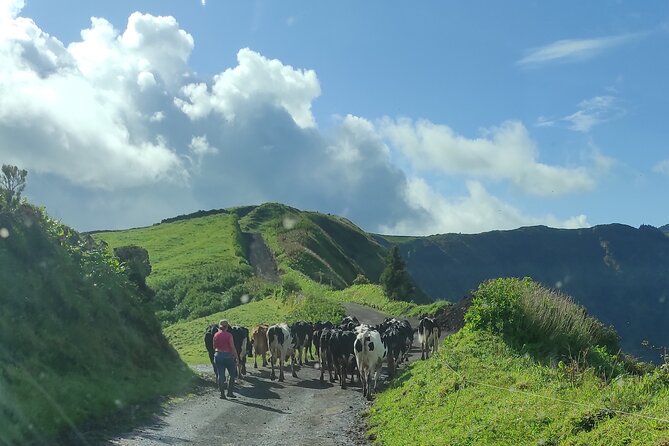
x: 255, y: 78
x: 569, y: 50
x: 502, y: 153
x: 591, y: 112
x: 200, y: 146
x: 72, y: 111
x: 662, y: 167
x: 108, y: 144
x: 478, y: 211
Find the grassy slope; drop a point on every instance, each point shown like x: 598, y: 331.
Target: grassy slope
x: 373, y: 296
x: 326, y: 248
x: 530, y: 367
x: 195, y: 262
x: 175, y: 249
x: 429, y: 404
x: 76, y: 342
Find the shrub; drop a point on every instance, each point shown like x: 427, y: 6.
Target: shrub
x: 534, y: 317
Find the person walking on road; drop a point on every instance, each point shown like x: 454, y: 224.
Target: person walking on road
x: 225, y: 357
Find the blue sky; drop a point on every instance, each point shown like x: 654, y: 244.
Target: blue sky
x: 442, y: 117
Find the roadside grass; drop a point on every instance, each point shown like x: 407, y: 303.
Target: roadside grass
x: 372, y: 296
x: 504, y: 397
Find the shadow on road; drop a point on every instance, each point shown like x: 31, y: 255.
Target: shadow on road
x: 314, y: 384
x: 259, y: 388
x: 259, y: 406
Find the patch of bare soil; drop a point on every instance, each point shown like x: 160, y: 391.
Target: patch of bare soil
x: 261, y: 258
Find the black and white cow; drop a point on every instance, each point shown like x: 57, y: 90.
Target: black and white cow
x: 369, y: 355
x: 280, y: 343
x: 394, y: 341
x: 240, y: 336
x: 325, y: 354
x: 318, y: 330
x: 341, y: 348
x: 302, y: 333
x: 428, y: 335
x: 349, y: 323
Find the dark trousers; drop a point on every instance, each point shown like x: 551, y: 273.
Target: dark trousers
x: 225, y: 361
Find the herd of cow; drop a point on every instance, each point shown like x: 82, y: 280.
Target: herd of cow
x: 347, y: 348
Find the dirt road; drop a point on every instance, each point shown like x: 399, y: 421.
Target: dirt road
x: 299, y: 411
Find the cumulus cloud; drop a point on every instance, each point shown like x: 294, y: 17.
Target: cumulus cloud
x: 571, y: 50
x: 590, y: 112
x: 662, y: 167
x: 505, y: 152
x: 254, y: 78
x: 73, y: 111
x: 117, y: 131
x: 478, y: 211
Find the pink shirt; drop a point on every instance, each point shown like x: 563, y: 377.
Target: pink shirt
x: 223, y: 341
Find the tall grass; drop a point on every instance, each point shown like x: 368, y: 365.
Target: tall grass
x: 527, y: 313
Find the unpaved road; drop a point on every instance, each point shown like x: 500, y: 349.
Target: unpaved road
x: 299, y: 411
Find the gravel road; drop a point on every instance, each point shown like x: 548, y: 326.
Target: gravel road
x: 299, y: 411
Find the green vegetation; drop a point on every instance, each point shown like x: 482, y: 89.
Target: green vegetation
x: 528, y: 368
x: 395, y: 279
x: 529, y: 315
x: 198, y: 265
x: 326, y: 248
x: 478, y: 391
x: 77, y: 341
x: 374, y: 297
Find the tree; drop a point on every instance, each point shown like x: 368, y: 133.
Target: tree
x: 12, y: 183
x: 138, y: 267
x: 395, y: 279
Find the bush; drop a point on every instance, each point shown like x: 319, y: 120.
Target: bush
x: 532, y: 316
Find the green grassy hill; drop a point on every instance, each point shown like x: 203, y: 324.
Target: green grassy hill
x: 77, y: 341
x: 201, y: 262
x: 529, y: 368
x: 198, y: 264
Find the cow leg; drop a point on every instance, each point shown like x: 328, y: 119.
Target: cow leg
x: 342, y: 373
x: 264, y: 360
x: 255, y: 360
x: 322, y: 360
x: 422, y: 350
x: 292, y: 365
x: 281, y: 363
x: 271, y: 360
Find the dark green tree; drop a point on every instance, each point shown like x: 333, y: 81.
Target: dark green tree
x: 395, y: 279
x: 12, y: 183
x: 136, y: 260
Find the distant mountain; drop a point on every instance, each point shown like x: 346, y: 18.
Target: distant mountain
x: 619, y: 273
x: 664, y: 229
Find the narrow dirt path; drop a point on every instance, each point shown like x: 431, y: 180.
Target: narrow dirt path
x: 299, y: 411
x: 261, y: 258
